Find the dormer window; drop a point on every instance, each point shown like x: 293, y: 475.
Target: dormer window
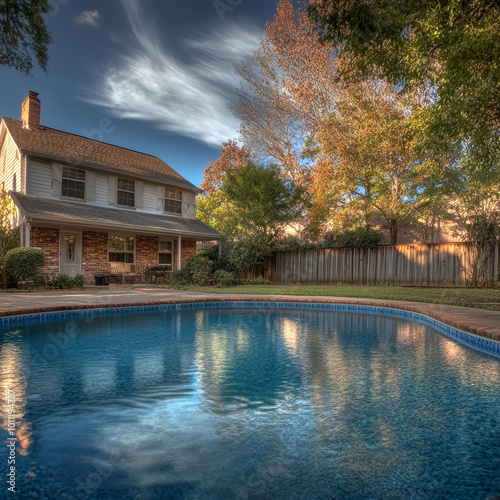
x: 173, y: 201
x: 125, y: 193
x: 73, y: 183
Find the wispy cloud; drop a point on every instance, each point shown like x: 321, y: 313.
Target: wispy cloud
x: 186, y: 94
x: 90, y: 17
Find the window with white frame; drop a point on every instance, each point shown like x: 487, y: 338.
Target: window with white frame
x: 73, y: 183
x: 125, y: 193
x: 173, y: 201
x: 121, y: 248
x: 165, y: 252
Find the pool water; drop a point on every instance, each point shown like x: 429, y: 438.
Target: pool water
x: 254, y: 403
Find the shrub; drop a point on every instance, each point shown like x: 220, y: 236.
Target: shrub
x: 63, y: 281
x: 200, y: 270
x: 293, y: 243
x: 224, y: 278
x: 23, y: 263
x: 257, y: 281
x: 359, y: 237
x: 197, y: 271
x: 180, y: 279
x: 9, y: 239
x: 224, y: 260
x: 483, y: 229
x: 247, y: 255
x: 79, y: 280
x: 251, y: 255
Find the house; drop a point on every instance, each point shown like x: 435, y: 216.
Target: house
x: 88, y: 204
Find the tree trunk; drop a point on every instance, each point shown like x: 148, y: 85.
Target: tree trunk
x: 393, y: 231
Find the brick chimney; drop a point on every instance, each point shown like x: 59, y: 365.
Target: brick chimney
x: 31, y: 111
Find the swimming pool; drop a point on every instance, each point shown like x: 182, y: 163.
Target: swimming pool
x: 248, y: 400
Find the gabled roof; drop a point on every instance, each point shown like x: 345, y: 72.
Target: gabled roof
x: 91, y: 216
x: 57, y: 145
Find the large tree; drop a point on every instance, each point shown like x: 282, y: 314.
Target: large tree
x: 448, y: 50
x: 213, y: 207
x: 368, y: 171
x: 23, y: 34
x: 263, y: 203
x: 347, y: 142
x: 232, y: 157
x: 287, y: 86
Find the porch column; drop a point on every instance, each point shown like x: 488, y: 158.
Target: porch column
x: 28, y: 234
x: 179, y: 252
x: 21, y: 235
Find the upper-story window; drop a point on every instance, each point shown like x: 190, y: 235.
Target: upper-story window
x: 125, y: 193
x: 73, y: 183
x: 173, y: 200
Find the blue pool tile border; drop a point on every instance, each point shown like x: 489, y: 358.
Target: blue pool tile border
x: 483, y: 344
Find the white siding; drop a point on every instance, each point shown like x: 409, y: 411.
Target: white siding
x: 39, y: 183
x: 38, y: 179
x: 189, y: 205
x: 101, y: 189
x: 150, y: 199
x: 10, y: 165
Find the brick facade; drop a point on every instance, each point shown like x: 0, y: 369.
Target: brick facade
x: 95, y: 252
x: 146, y: 253
x: 94, y: 255
x: 48, y: 240
x: 188, y: 249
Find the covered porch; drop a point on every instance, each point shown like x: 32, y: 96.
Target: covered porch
x: 107, y: 245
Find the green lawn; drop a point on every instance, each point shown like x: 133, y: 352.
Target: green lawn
x: 483, y: 298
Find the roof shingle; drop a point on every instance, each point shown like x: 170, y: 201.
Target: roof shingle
x: 92, y: 216
x: 73, y: 148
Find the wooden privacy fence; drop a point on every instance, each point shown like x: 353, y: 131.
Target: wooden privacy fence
x: 450, y: 264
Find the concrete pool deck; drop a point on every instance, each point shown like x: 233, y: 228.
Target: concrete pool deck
x: 478, y: 321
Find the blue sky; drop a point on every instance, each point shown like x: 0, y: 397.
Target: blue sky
x: 161, y: 72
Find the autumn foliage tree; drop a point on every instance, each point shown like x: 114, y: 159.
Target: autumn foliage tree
x: 347, y: 142
x: 367, y: 166
x: 287, y: 87
x: 263, y: 203
x: 232, y: 157
x: 213, y: 207
x: 448, y: 50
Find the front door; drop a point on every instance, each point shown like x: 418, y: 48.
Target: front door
x: 71, y: 253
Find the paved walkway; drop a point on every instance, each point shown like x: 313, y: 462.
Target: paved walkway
x: 478, y: 321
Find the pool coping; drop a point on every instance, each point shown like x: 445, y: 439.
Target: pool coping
x: 439, y: 312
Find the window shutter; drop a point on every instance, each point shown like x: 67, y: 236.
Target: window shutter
x: 191, y: 204
x: 112, y: 181
x: 161, y: 198
x: 139, y: 190
x: 90, y: 186
x: 185, y: 203
x: 56, y: 179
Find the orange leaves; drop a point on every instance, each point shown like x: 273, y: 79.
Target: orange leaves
x: 288, y: 86
x: 232, y: 158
